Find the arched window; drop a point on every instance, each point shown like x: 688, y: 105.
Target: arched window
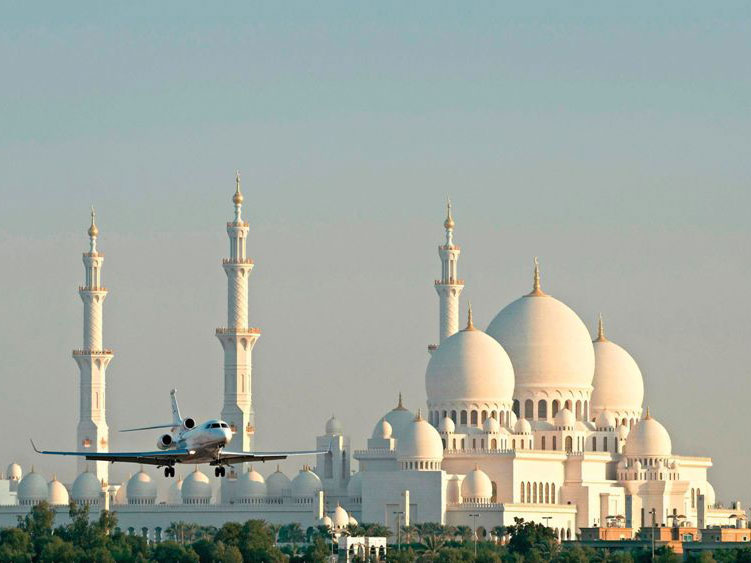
x: 543, y: 442
x: 547, y: 493
x: 464, y: 418
x: 521, y: 444
x: 462, y: 443
x: 578, y: 410
x: 594, y: 443
x: 542, y: 409
x: 483, y: 416
x: 453, y: 445
x: 473, y: 418
x: 501, y: 418
x: 515, y: 408
x: 556, y: 407
x: 529, y: 407
x: 555, y: 445
x: 453, y: 416
x: 529, y: 492
x: 482, y: 443
x: 605, y: 444
x: 443, y: 415
x: 493, y: 414
x: 513, y: 444
x: 693, y: 498
x: 568, y: 404
x: 569, y: 444
x: 552, y: 493
x: 474, y: 444
x: 585, y: 413
x: 534, y: 493
x: 521, y: 494
x: 494, y: 495
x: 443, y: 441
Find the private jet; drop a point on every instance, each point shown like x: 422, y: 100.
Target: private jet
x: 186, y: 442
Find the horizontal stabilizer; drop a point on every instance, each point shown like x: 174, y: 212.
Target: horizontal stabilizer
x: 170, y: 425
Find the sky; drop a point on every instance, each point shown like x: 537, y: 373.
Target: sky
x: 609, y: 139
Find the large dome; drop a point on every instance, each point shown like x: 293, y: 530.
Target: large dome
x: 141, y: 489
x: 32, y: 489
x: 250, y: 486
x: 476, y: 486
x: 58, y: 494
x: 196, y: 488
x: 469, y: 366
x: 648, y: 438
x: 306, y: 483
x: 548, y: 343
x: 618, y: 383
x: 420, y: 442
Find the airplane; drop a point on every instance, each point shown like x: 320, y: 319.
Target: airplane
x: 186, y: 442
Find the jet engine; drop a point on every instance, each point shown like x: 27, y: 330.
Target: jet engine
x: 188, y: 423
x: 164, y: 442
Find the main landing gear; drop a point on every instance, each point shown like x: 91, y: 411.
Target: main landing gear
x: 169, y: 471
x: 219, y: 471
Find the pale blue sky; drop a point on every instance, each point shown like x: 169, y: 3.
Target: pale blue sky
x: 612, y: 140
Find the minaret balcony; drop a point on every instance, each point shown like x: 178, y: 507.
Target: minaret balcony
x: 93, y: 254
x: 91, y: 288
x: 235, y: 224
x: 449, y: 282
x: 237, y: 261
x: 238, y: 330
x: 88, y: 352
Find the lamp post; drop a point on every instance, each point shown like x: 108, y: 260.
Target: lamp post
x: 474, y: 529
x: 654, y: 518
x: 399, y: 530
x: 547, y: 520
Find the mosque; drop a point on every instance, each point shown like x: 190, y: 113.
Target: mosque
x: 529, y: 418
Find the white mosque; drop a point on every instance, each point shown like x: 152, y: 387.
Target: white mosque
x: 529, y: 418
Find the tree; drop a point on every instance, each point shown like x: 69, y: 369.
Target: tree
x: 432, y: 545
x: 290, y: 533
x: 465, y: 533
x: 15, y: 545
x: 498, y: 532
x: 409, y: 533
x: 173, y: 552
x: 528, y: 535
x: 38, y: 524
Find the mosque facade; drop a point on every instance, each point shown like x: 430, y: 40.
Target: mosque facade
x: 530, y: 418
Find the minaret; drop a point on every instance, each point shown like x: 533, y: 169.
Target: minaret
x: 92, y: 360
x: 449, y: 287
x: 237, y: 338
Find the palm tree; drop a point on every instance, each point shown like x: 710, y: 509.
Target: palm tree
x: 498, y: 532
x: 432, y: 545
x: 464, y: 532
x: 274, y: 530
x: 409, y: 532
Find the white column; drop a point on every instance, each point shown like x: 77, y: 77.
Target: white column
x: 449, y: 287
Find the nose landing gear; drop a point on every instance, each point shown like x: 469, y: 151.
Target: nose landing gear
x: 219, y: 471
x: 169, y: 471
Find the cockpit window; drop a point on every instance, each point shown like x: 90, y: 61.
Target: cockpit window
x: 224, y: 425
x: 216, y: 425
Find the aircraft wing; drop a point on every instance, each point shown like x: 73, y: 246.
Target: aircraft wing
x: 226, y: 457
x: 162, y: 457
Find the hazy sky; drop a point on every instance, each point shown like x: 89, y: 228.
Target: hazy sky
x: 612, y: 140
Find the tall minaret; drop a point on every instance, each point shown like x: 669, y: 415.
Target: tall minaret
x: 449, y: 287
x: 92, y: 360
x: 237, y: 338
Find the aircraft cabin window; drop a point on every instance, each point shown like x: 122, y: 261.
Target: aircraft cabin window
x: 225, y: 425
x: 215, y: 425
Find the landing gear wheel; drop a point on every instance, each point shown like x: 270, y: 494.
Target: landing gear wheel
x: 219, y: 471
x: 169, y: 471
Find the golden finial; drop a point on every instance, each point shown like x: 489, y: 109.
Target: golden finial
x: 470, y: 326
x: 93, y: 231
x: 536, y: 290
x: 400, y: 404
x: 418, y: 418
x: 238, y: 197
x: 449, y: 222
x: 647, y: 416
x: 600, y: 330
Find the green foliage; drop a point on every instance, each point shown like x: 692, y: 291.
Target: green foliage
x: 15, y: 546
x: 526, y: 536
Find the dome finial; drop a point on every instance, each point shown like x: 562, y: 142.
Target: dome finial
x: 647, y: 416
x: 600, y: 330
x: 93, y: 230
x: 418, y: 418
x: 470, y: 326
x: 536, y: 290
x: 449, y: 222
x: 400, y: 404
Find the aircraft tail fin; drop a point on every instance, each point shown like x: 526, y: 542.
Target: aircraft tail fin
x: 176, y: 418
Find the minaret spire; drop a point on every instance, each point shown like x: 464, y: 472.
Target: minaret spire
x: 92, y: 359
x: 237, y: 337
x: 449, y: 287
x: 470, y: 325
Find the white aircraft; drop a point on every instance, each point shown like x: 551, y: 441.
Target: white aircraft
x: 186, y: 443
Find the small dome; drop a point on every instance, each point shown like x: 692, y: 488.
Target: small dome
x: 141, y: 489
x: 648, y: 438
x: 420, y: 441
x: 491, y: 425
x: 352, y: 520
x: 399, y: 418
x: 476, y: 486
x: 250, y: 486
x: 58, y: 494
x: 469, y: 366
x: 174, y: 493
x: 14, y: 472
x: 278, y: 484
x: 32, y: 489
x: 326, y: 521
x: 120, y: 497
x: 522, y: 426
x: 622, y: 432
x: 86, y: 488
x: 333, y: 426
x: 383, y: 430
x: 605, y: 421
x: 548, y: 343
x: 306, y: 483
x: 196, y: 488
x: 354, y: 487
x: 447, y: 425
x: 340, y: 519
x: 565, y: 419
x: 618, y: 383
